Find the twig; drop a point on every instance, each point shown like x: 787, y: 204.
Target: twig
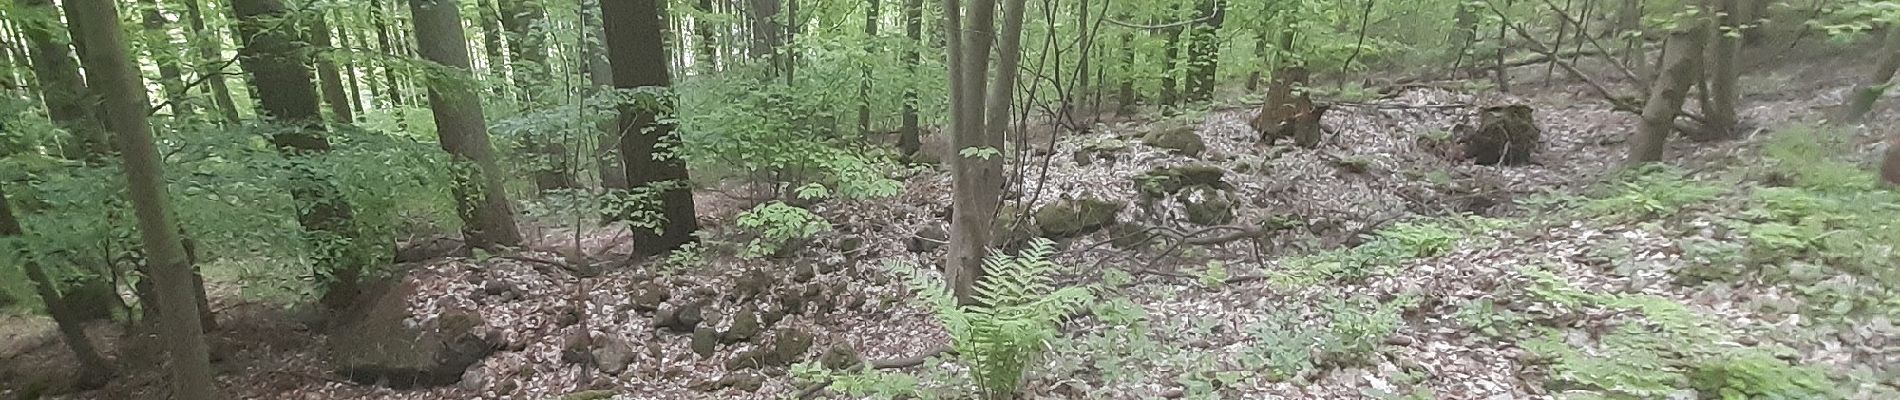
x: 1208, y: 17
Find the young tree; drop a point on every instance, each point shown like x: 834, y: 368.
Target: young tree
x: 1667, y: 93
x: 94, y: 370
x: 979, y: 115
x: 158, y: 46
x: 1724, y: 73
x: 636, y: 48
x: 1204, y: 51
x: 69, y: 102
x: 488, y: 218
x: 117, y: 80
x: 909, y: 138
x: 211, y: 58
x: 600, y: 74
x: 1861, y: 100
x: 331, y: 80
x: 864, y: 86
x: 388, y: 45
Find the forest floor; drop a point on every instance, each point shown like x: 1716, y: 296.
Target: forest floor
x: 1392, y: 272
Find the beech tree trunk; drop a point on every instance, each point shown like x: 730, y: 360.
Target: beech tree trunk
x: 94, y: 370
x: 708, y: 40
x: 1204, y: 51
x: 600, y: 73
x: 117, y: 80
x: 380, y: 17
x: 488, y: 219
x: 1723, y: 73
x: 637, y: 50
x: 158, y: 46
x: 331, y: 80
x: 864, y: 86
x: 1170, y: 86
x: 1861, y: 100
x: 910, y: 137
x: 210, y: 48
x: 271, y: 53
x: 1667, y: 93
x: 69, y: 102
x: 494, y: 61
x: 979, y: 118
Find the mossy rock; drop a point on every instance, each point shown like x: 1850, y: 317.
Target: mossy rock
x: 1208, y: 206
x: 1009, y: 231
x: 1099, y: 150
x: 1128, y: 236
x: 1071, y: 218
x: 1163, y: 181
x: 590, y: 395
x: 1181, y: 140
x: 90, y: 299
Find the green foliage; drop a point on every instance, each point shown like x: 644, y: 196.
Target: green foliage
x: 782, y: 135
x: 777, y: 225
x: 1003, y: 336
x: 1650, y: 191
x: 862, y: 383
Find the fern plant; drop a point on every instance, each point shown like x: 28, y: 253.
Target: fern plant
x: 1013, y: 321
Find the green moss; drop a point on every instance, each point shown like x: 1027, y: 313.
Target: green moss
x: 1071, y: 218
x: 1163, y: 181
x: 1180, y: 140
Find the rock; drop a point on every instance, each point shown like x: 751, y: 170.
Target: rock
x: 840, y: 357
x: 743, y: 381
x: 771, y: 317
x: 791, y: 344
x: 689, y: 317
x: 1181, y: 140
x: 1208, y: 206
x: 804, y: 272
x: 1506, y: 135
x: 566, y: 316
x: 850, y: 243
x: 1128, y: 235
x: 576, y: 346
x: 745, y: 325
x: 590, y: 395
x: 612, y: 354
x: 1071, y: 218
x: 649, y: 295
x: 1163, y: 181
x: 928, y: 239
x: 665, y: 316
x: 383, y: 345
x: 473, y: 380
x: 705, y: 341
x: 751, y: 283
x: 1099, y: 150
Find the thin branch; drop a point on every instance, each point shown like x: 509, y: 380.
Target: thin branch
x: 1205, y: 18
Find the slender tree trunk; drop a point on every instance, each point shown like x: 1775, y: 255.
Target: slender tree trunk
x: 1170, y: 85
x: 117, y: 80
x: 708, y: 40
x: 637, y: 50
x: 909, y: 138
x: 158, y: 46
x: 492, y: 45
x: 331, y: 80
x: 977, y: 180
x: 488, y: 218
x: 768, y: 35
x: 1125, y: 95
x: 69, y: 102
x: 1204, y: 51
x: 526, y: 51
x: 600, y: 73
x: 1666, y: 95
x: 271, y: 53
x: 349, y: 70
x: 210, y: 48
x: 1861, y: 100
x: 380, y: 17
x: 864, y: 86
x: 1629, y: 24
x: 94, y: 370
x: 1724, y: 73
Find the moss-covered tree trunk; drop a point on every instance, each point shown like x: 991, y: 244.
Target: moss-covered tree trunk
x: 636, y: 48
x: 487, y: 217
x: 272, y: 54
x: 117, y: 80
x: 69, y: 102
x: 1667, y: 93
x: 94, y: 370
x: 1861, y: 100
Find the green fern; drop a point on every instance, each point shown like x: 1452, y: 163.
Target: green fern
x: 1013, y: 321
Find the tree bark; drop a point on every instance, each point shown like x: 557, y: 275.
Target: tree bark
x: 286, y: 94
x: 1125, y: 95
x: 331, y: 80
x: 488, y: 218
x: 118, y: 82
x: 349, y: 70
x: 158, y: 46
x: 980, y: 118
x: 864, y: 86
x: 910, y: 137
x: 380, y: 17
x: 600, y: 73
x: 1723, y: 74
x: 1861, y: 100
x: 637, y: 50
x: 69, y: 102
x: 708, y: 40
x: 210, y: 48
x: 1170, y: 85
x: 94, y: 370
x: 492, y: 45
x: 768, y: 33
x: 1666, y: 95
x: 1204, y: 51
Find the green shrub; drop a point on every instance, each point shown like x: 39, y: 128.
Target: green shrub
x: 1004, y: 335
x: 779, y: 225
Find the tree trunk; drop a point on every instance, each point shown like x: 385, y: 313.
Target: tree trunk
x: 158, y: 46
x: 1204, y: 51
x: 211, y: 58
x: 708, y: 40
x: 526, y: 44
x: 1629, y: 24
x: 94, y: 370
x: 1723, y: 73
x: 768, y: 32
x: 380, y: 17
x: 1861, y: 100
x: 600, y: 73
x: 271, y: 54
x: 910, y: 138
x: 864, y: 86
x: 637, y: 50
x: 1170, y: 86
x: 1666, y: 95
x: 494, y: 61
x: 69, y: 103
x: 1125, y: 95
x: 118, y: 82
x: 488, y: 218
x: 349, y: 71
x: 979, y: 117
x: 331, y: 80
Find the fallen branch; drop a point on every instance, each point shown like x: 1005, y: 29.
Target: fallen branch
x: 812, y: 391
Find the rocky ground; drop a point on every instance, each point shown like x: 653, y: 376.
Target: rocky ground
x: 1218, y: 320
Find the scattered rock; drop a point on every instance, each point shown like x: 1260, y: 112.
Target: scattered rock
x: 791, y: 345
x: 1163, y: 181
x: 705, y: 341
x: 473, y: 379
x: 1071, y: 218
x: 501, y: 289
x: 928, y: 239
x: 1099, y: 150
x: 743, y: 381
x: 612, y: 354
x: 383, y: 345
x: 1180, y: 140
x: 649, y: 295
x: 590, y: 395
x: 770, y: 317
x: 689, y: 317
x: 804, y: 272
x: 576, y: 346
x: 745, y: 325
x: 1208, y: 206
x: 1128, y: 235
x: 840, y: 357
x: 665, y: 316
x: 850, y: 243
x: 751, y: 283
x: 567, y: 315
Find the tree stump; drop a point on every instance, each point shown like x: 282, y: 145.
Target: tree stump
x: 1289, y: 111
x: 1506, y: 135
